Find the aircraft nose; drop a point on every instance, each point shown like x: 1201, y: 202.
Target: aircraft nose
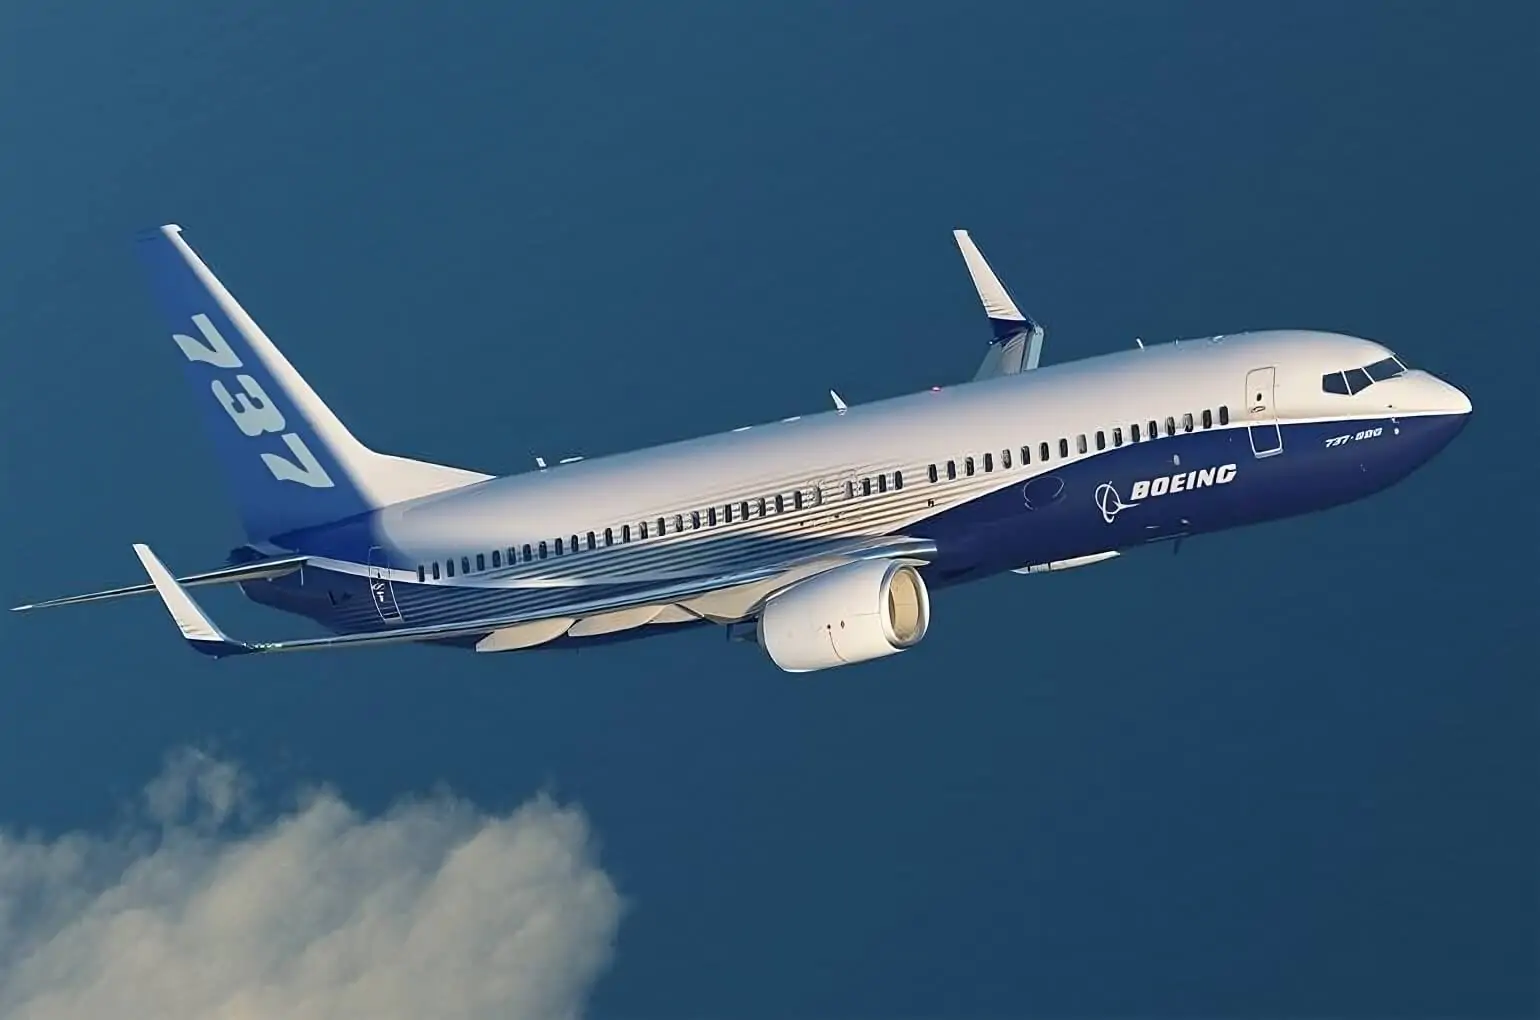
x: 1451, y: 399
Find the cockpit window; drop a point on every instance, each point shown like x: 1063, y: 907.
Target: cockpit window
x: 1386, y: 368
x: 1355, y: 380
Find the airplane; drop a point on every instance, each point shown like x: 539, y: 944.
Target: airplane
x: 818, y: 538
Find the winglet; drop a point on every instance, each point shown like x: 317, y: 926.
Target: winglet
x: 839, y: 402
x: 1018, y: 342
x: 1004, y: 316
x: 193, y: 622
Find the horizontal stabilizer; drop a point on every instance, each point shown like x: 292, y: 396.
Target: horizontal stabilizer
x: 259, y: 571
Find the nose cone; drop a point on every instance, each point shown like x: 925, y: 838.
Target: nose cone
x: 1452, y: 399
x: 1427, y: 393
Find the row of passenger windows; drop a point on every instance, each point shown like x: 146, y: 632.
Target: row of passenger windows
x: 1356, y: 380
x: 726, y: 513
x: 802, y: 499
x: 1045, y: 451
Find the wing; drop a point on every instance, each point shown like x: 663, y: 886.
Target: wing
x: 720, y: 599
x: 1018, y: 341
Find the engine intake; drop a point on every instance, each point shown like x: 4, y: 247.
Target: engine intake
x: 852, y: 613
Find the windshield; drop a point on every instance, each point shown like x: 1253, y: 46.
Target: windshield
x: 1356, y: 380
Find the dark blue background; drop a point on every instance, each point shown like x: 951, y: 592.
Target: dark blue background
x: 1292, y: 770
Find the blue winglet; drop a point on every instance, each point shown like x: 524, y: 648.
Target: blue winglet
x: 195, y: 625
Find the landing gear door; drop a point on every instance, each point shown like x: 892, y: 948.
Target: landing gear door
x: 1261, y: 414
x: 380, y: 588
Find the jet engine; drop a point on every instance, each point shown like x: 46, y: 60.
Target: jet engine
x: 852, y: 613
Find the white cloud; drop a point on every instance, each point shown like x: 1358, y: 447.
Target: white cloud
x: 432, y: 910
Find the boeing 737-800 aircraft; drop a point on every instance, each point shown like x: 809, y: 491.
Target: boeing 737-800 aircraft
x: 819, y: 538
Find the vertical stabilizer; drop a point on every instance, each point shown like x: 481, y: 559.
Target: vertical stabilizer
x: 290, y: 462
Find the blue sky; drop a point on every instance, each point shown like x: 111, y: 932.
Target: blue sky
x: 1291, y: 770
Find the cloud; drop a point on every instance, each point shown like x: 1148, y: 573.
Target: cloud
x: 193, y: 909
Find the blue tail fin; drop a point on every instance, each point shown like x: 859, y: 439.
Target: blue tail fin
x: 291, y: 463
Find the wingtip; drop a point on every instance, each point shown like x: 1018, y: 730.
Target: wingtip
x: 200, y: 631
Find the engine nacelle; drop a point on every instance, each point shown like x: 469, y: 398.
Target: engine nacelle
x: 852, y: 613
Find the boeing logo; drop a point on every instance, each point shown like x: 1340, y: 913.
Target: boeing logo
x: 1110, y: 503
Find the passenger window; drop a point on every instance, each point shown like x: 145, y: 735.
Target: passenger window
x: 449, y: 567
x: 1042, y: 451
x: 513, y: 555
x: 1026, y: 455
x: 527, y: 552
x: 796, y: 499
x: 780, y: 503
x: 761, y: 507
x: 662, y: 520
x: 591, y: 542
x: 1064, y: 448
x: 898, y: 480
x: 678, y: 523
x: 1170, y: 426
x: 1333, y: 382
x: 1133, y: 433
x: 743, y: 510
x: 1154, y: 429
x: 609, y: 536
x: 727, y: 515
x: 625, y: 532
x: 574, y: 546
x: 465, y: 564
x: 542, y: 550
x: 422, y: 573
x: 1080, y: 446
x: 711, y: 517
x: 850, y: 489
x: 989, y: 462
x: 1117, y: 436
x: 951, y: 470
x: 968, y: 466
x: 1208, y: 418
x: 1357, y: 379
x: 882, y: 483
x: 558, y: 547
x: 642, y: 532
x: 1187, y: 422
x: 1224, y: 414
x: 934, y: 477
x: 1005, y: 460
x: 481, y: 562
x: 866, y: 486
x: 497, y: 558
x: 1101, y: 439
x: 435, y: 570
x: 694, y: 520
